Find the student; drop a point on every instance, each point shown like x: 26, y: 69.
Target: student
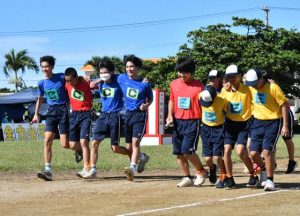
x: 138, y: 97
x: 270, y: 108
x: 212, y: 132
x: 53, y: 86
x: 215, y: 80
x: 236, y: 126
x: 185, y: 112
x: 80, y: 96
x: 109, y: 122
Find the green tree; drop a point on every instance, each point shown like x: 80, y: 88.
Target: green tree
x: 18, y: 61
x: 276, y: 51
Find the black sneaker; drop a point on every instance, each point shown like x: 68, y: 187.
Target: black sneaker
x: 213, y: 174
x: 78, y: 156
x: 291, y: 167
x: 229, y: 183
x: 253, y: 181
x: 47, y: 176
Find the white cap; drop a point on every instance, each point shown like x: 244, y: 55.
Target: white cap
x: 231, y: 70
x: 213, y: 73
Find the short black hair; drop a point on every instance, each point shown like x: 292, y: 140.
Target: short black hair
x: 49, y: 59
x: 135, y: 60
x: 185, y: 64
x: 108, y: 64
x: 70, y: 71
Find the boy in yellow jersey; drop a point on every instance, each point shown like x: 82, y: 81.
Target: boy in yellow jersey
x: 270, y: 108
x: 212, y: 132
x: 236, y: 125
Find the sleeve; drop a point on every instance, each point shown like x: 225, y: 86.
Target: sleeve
x: 278, y: 94
x: 171, y: 93
x: 149, y: 92
x: 40, y: 88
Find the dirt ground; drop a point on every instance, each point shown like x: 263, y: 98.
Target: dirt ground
x: 152, y: 193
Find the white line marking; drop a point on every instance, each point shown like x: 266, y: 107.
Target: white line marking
x: 204, y: 203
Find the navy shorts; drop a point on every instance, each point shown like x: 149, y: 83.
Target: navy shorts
x: 212, y: 140
x: 185, y: 136
x: 236, y: 132
x: 135, y: 124
x: 108, y: 125
x: 57, y: 117
x: 265, y: 134
x: 290, y: 126
x: 80, y: 125
x: 250, y: 123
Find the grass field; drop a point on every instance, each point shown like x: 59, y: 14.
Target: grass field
x: 28, y: 156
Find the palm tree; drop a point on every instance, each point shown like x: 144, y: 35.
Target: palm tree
x: 18, y: 61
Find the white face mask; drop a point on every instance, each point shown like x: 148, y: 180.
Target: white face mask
x: 105, y: 76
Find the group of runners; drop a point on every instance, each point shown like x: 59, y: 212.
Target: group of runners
x: 227, y: 113
x: 69, y: 97
x: 231, y: 114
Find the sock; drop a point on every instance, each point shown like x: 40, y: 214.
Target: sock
x: 48, y: 167
x: 189, y: 176
x: 270, y: 178
x: 133, y: 166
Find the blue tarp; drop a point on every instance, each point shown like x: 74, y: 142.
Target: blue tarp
x: 25, y: 96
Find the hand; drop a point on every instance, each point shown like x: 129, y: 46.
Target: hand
x: 93, y: 84
x: 143, y: 107
x: 285, y: 131
x: 35, y: 119
x: 169, y: 122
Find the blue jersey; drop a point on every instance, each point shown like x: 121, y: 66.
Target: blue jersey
x: 54, y: 89
x: 136, y: 92
x: 111, y: 96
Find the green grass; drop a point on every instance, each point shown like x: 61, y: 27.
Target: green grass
x: 28, y: 156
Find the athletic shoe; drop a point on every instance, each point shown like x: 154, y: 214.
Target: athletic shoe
x: 222, y: 181
x: 291, y: 167
x: 213, y: 175
x: 82, y: 173
x: 200, y: 177
x: 269, y: 186
x: 185, y: 182
x: 263, y: 178
x: 253, y: 181
x: 46, y: 175
x: 142, y: 163
x: 91, y: 174
x: 129, y: 173
x: 78, y: 156
x: 229, y: 183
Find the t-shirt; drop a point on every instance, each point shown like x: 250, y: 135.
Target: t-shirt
x: 185, y: 98
x: 135, y: 92
x: 111, y: 96
x: 81, y: 96
x: 54, y: 89
x: 238, y: 103
x: 267, y: 102
x: 214, y: 115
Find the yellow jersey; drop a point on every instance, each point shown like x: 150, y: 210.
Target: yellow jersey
x: 238, y: 103
x: 214, y: 114
x: 267, y: 102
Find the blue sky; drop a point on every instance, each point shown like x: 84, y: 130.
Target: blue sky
x: 18, y: 18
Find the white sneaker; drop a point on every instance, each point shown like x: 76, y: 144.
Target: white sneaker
x: 263, y: 178
x: 129, y: 173
x: 200, y: 178
x: 185, y: 182
x: 82, y: 173
x: 270, y: 186
x: 91, y: 174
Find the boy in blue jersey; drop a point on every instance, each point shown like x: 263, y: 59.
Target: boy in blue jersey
x: 109, y: 122
x: 53, y: 86
x: 138, y: 97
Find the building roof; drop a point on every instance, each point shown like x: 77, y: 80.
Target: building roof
x: 87, y: 67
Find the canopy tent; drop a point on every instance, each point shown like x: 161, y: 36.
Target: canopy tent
x: 25, y: 96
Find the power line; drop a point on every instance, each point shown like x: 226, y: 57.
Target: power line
x: 285, y: 8
x: 129, y: 25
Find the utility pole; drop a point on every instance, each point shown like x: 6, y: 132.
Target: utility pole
x: 266, y: 10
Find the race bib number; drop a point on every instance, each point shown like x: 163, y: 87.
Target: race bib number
x: 210, y: 116
x: 260, y: 98
x: 184, y: 102
x: 108, y: 92
x: 235, y: 107
x: 132, y: 93
x: 52, y: 94
x: 77, y: 95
